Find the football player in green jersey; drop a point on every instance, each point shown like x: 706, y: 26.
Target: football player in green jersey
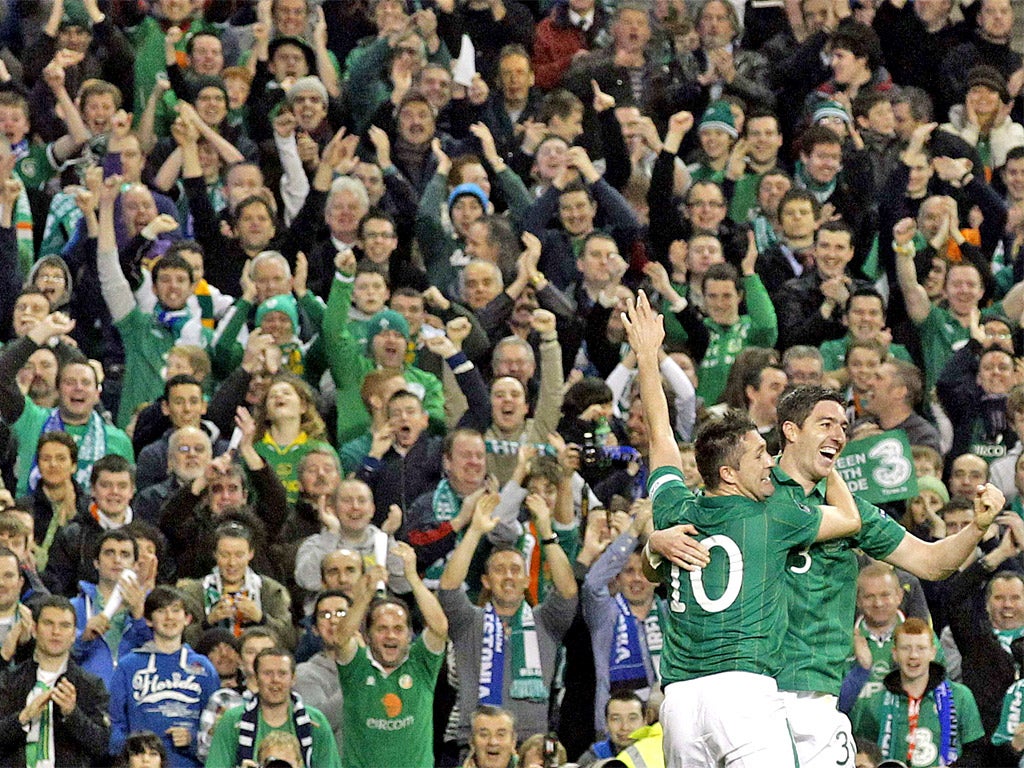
x: 822, y: 580
x: 726, y: 620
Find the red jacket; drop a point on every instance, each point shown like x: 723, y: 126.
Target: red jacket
x: 555, y: 41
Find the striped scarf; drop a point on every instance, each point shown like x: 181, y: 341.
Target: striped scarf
x: 248, y: 727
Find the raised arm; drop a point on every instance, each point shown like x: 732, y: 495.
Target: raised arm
x: 117, y: 293
x: 483, y: 522
x: 435, y: 632
x: 940, y: 559
x: 646, y: 331
x: 914, y: 295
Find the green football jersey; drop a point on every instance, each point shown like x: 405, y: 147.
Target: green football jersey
x: 389, y: 719
x: 822, y: 593
x: 730, y: 615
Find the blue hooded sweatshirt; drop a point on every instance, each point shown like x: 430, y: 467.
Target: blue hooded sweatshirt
x: 153, y: 691
x: 95, y: 655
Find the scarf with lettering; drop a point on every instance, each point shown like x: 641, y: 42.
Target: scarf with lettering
x: 446, y: 502
x: 213, y: 589
x: 511, y: 448
x: 942, y: 695
x: 90, y: 450
x: 527, y: 675
x: 1010, y: 719
x: 626, y: 668
x: 248, y: 727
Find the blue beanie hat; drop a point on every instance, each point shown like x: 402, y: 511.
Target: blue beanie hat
x: 468, y: 189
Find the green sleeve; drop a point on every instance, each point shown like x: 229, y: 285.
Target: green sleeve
x: 669, y: 494
x: 864, y: 719
x: 568, y: 539
x: 516, y: 195
x: 227, y: 352
x: 764, y: 326
x: 314, y: 308
x: 879, y: 534
x: 224, y: 744
x: 118, y: 443
x: 433, y: 397
x: 968, y: 716
x: 343, y: 356
x: 325, y: 748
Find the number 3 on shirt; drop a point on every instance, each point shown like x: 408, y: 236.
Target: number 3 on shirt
x: 732, y: 587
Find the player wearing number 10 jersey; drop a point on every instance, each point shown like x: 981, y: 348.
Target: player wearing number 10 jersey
x: 822, y: 580
x: 726, y: 622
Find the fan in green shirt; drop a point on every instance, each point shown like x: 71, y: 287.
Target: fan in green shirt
x: 388, y: 684
x: 947, y: 725
x: 240, y: 730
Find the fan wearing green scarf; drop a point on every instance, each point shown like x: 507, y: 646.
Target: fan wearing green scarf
x: 148, y: 337
x: 505, y: 651
x: 920, y: 716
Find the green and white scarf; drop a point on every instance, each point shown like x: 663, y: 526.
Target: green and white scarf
x: 446, y: 502
x: 1007, y: 636
x: 213, y: 591
x: 39, y: 747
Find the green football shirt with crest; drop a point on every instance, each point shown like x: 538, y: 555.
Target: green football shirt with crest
x: 821, y: 585
x: 731, y: 614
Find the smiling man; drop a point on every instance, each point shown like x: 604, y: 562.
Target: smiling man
x: 822, y: 581
x: 811, y: 306
x: 921, y: 707
x: 276, y: 707
x: 388, y: 684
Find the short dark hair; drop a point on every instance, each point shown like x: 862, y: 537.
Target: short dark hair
x: 140, y: 743
x: 797, y: 193
x: 162, y: 596
x: 179, y: 246
x: 866, y: 101
x: 797, y: 404
x: 860, y: 40
x: 864, y: 291
x: 815, y: 135
x: 64, y: 439
x: 111, y: 463
x: 559, y: 103
x: 116, y: 534
x: 627, y: 696
x: 723, y: 271
x: 173, y: 261
x: 455, y: 434
x: 718, y: 444
x: 835, y: 226
x: 328, y: 593
x: 234, y: 530
x: 59, y: 602
x: 178, y: 380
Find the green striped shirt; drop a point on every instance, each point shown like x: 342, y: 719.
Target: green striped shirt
x: 821, y: 583
x: 729, y: 616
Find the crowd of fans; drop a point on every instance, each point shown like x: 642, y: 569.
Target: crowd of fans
x: 313, y: 346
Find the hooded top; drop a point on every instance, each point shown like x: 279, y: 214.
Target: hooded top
x: 53, y: 261
x: 153, y: 691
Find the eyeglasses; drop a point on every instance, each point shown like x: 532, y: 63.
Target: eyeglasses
x: 997, y: 335
x: 328, y: 615
x: 191, y: 449
x: 50, y: 279
x: 706, y: 204
x: 378, y: 235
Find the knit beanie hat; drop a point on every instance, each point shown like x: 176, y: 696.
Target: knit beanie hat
x: 283, y: 303
x: 386, y: 320
x: 830, y: 108
x: 933, y: 484
x: 719, y: 115
x: 989, y: 77
x: 473, y: 190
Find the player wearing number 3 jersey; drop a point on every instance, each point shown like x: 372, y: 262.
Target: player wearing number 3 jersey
x: 822, y: 581
x: 726, y: 621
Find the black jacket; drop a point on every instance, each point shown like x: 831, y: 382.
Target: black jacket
x: 80, y: 739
